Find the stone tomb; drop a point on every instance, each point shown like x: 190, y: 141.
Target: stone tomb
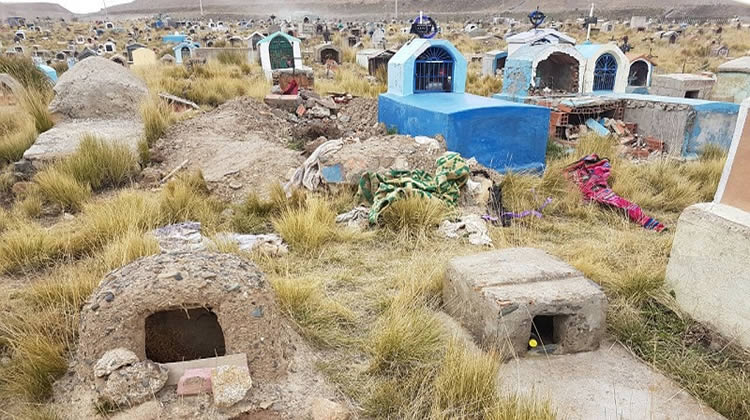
x: 708, y: 266
x: 506, y: 297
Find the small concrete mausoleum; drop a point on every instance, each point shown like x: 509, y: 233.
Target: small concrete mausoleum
x: 426, y: 96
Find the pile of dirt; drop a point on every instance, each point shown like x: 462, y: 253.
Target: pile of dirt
x: 98, y: 88
x: 225, y: 287
x: 240, y: 147
x: 359, y: 118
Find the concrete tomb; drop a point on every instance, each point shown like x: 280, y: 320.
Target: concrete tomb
x: 10, y: 90
x: 493, y: 62
x: 426, y: 96
x: 543, y: 70
x: 280, y: 51
x: 682, y: 85
x: 184, y: 51
x: 522, y: 300
x: 325, y: 52
x: 538, y: 37
x: 640, y: 73
x: 143, y: 57
x: 708, y: 266
x: 733, y: 81
x: 606, y: 68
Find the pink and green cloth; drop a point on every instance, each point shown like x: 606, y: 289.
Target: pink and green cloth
x: 591, y: 173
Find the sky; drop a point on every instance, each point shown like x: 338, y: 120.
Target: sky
x: 78, y: 6
x: 89, y: 6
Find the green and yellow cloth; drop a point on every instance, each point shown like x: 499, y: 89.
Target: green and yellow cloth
x: 381, y: 190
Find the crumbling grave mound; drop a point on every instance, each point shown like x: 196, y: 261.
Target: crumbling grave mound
x: 203, y: 308
x: 185, y: 306
x: 98, y: 88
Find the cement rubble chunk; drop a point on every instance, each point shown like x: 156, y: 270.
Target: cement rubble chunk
x: 230, y: 384
x: 133, y: 384
x: 113, y: 360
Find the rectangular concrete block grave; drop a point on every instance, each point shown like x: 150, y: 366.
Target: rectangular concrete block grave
x: 524, y: 300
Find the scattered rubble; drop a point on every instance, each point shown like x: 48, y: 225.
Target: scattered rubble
x: 471, y: 226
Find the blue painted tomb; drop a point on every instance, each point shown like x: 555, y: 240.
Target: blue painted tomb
x: 426, y: 96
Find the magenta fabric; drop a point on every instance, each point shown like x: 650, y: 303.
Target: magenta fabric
x: 591, y: 174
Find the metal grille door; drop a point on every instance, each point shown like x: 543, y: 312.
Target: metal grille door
x: 605, y: 72
x: 433, y: 71
x: 281, y: 53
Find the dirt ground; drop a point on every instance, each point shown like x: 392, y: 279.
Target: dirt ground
x: 240, y: 147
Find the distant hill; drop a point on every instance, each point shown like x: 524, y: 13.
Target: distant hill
x: 32, y: 10
x: 385, y: 8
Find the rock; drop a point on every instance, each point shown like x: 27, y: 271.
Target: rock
x: 235, y: 185
x: 286, y: 102
x: 230, y: 384
x: 113, y: 360
x: 150, y: 175
x: 195, y: 381
x: 324, y: 409
x: 170, y: 275
x: 320, y: 112
x: 98, y: 88
x: 344, y: 118
x: 23, y: 168
x: 134, y: 384
x: 21, y: 188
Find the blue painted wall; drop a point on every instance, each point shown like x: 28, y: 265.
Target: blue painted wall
x: 500, y: 135
x: 173, y: 39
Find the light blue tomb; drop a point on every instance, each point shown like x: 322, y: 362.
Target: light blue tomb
x: 184, y: 51
x: 426, y: 96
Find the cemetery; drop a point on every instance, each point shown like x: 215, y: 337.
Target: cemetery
x: 361, y: 214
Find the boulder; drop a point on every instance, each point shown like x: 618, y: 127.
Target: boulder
x: 98, y: 88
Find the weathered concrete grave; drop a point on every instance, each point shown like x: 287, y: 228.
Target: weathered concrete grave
x: 708, y: 267
x: 506, y: 297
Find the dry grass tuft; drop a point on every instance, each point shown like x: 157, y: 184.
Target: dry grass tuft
x: 307, y: 228
x: 352, y: 79
x: 60, y: 188
x: 229, y: 57
x: 17, y: 134
x: 405, y: 338
x: 35, y: 103
x: 131, y: 246
x: 187, y: 198
x: 100, y: 164
x: 156, y: 116
x: 466, y: 383
x: 319, y: 318
x: 26, y: 246
x: 414, y: 217
x: 30, y: 206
